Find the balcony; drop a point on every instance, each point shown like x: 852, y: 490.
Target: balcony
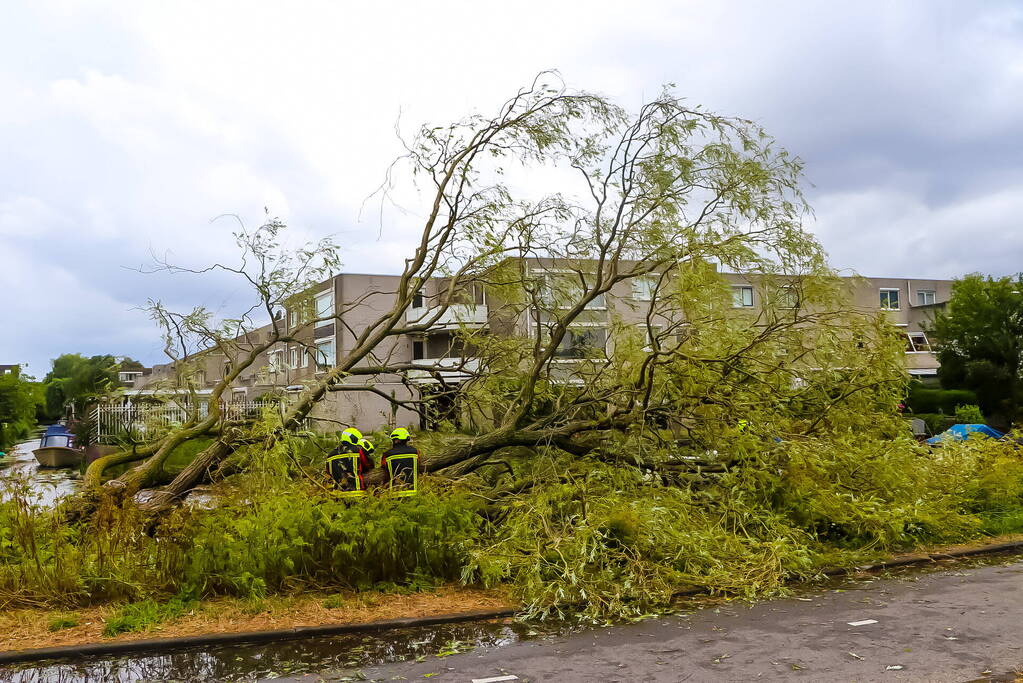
x: 451, y: 369
x: 456, y: 316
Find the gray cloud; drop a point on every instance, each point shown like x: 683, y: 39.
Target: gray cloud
x: 128, y: 126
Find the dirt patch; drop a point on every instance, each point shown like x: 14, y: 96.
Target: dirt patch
x: 29, y: 628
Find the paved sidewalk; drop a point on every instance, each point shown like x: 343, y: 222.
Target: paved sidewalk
x: 957, y: 624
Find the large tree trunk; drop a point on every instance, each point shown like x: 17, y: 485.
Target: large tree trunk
x: 194, y: 474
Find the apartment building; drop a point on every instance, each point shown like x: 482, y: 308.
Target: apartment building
x: 909, y: 304
x: 355, y: 300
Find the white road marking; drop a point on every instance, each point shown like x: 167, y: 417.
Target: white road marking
x: 862, y: 623
x: 495, y: 679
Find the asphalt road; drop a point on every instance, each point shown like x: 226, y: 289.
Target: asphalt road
x: 958, y: 624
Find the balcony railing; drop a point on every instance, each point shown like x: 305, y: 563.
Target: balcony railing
x: 449, y: 369
x: 456, y: 315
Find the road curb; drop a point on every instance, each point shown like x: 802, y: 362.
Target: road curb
x: 910, y: 560
x: 162, y: 645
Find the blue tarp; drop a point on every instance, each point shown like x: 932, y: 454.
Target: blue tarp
x: 961, y: 432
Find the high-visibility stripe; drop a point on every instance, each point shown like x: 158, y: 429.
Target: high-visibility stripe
x: 415, y: 474
x: 355, y: 474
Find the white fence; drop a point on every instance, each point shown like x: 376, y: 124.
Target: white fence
x: 140, y: 420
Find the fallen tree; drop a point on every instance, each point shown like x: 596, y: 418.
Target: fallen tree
x: 658, y: 201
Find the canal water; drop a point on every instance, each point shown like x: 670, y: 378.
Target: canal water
x: 46, y: 485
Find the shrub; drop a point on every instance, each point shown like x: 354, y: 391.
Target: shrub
x: 936, y: 422
x: 969, y: 414
x: 276, y: 541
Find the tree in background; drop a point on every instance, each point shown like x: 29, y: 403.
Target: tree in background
x: 76, y: 380
x: 18, y: 398
x: 980, y: 340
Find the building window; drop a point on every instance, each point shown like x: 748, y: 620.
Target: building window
x: 418, y: 350
x: 293, y: 354
x: 742, y: 296
x: 563, y: 290
x: 275, y: 358
x: 650, y: 333
x: 303, y: 355
x: 325, y: 355
x: 916, y: 342
x: 479, y: 294
x: 583, y: 342
x: 643, y: 288
x: 890, y: 299
x: 788, y: 297
x: 924, y: 297
x: 417, y: 300
x: 325, y: 304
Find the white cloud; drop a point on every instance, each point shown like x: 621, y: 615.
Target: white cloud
x: 890, y: 233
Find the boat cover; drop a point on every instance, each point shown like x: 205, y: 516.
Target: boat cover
x: 960, y: 432
x: 57, y: 429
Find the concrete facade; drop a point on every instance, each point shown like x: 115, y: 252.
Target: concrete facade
x: 355, y: 300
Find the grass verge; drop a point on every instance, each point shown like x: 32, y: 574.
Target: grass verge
x: 29, y: 628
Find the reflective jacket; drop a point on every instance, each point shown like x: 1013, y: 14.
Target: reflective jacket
x: 401, y: 463
x: 346, y: 465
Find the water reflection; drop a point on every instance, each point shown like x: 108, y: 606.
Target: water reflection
x: 334, y: 654
x: 47, y: 485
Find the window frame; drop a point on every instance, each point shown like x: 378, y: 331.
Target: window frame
x: 644, y: 282
x: 581, y: 327
x: 328, y: 362
x: 736, y: 289
x: 898, y: 298
x: 913, y: 347
x: 331, y: 312
x: 787, y: 295
x: 275, y: 361
x: 921, y: 296
x: 547, y: 291
x: 650, y: 332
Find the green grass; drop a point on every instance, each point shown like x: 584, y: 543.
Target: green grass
x: 334, y: 601
x: 1005, y: 522
x: 141, y: 616
x: 63, y: 621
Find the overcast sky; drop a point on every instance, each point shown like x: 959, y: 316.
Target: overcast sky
x: 125, y: 127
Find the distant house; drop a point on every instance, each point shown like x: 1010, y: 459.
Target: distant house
x: 131, y: 373
x: 10, y: 369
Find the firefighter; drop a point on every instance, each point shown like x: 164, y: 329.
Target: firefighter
x: 369, y: 449
x: 401, y: 463
x: 347, y: 463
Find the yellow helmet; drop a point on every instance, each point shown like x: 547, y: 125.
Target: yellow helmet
x: 366, y: 445
x: 352, y: 436
x: 400, y: 434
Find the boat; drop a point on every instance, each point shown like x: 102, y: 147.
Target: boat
x: 57, y: 448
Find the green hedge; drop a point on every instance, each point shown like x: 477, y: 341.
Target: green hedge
x: 921, y: 400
